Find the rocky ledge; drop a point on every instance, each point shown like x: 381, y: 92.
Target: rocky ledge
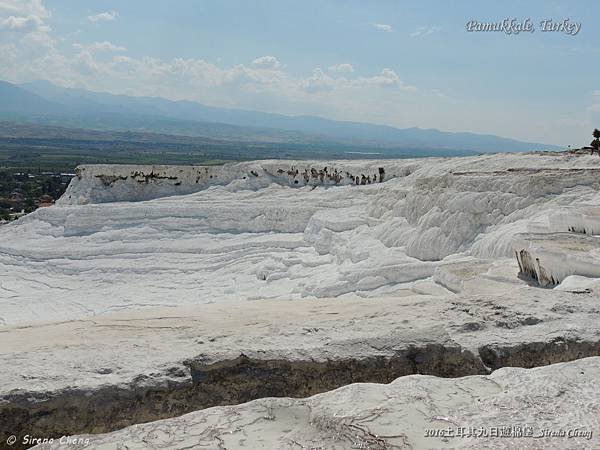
x: 102, y: 374
x: 550, y: 407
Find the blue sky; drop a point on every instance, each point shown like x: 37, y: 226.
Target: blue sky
x: 399, y: 63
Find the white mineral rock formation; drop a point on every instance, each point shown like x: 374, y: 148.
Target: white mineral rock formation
x: 157, y: 291
x: 247, y: 237
x: 542, y: 408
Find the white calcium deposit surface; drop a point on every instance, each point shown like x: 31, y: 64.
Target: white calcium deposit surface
x: 553, y: 407
x: 129, y: 237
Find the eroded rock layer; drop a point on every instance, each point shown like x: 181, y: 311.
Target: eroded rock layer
x: 550, y: 407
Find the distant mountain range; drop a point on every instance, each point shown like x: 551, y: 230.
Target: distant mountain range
x: 42, y: 102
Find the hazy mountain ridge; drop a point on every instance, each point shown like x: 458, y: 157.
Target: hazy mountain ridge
x: 46, y: 103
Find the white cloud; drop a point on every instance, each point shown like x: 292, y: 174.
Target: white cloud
x: 388, y: 79
x: 267, y: 62
x: 22, y: 24
x: 425, y: 31
x: 6, y: 7
x: 104, y: 46
x: 24, y: 35
x: 23, y: 16
x: 23, y: 8
x: 319, y: 81
x: 104, y: 16
x: 342, y: 68
x: 383, y: 27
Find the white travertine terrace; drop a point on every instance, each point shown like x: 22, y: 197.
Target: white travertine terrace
x: 155, y: 277
x: 257, y: 237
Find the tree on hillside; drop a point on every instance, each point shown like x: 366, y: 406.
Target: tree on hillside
x: 596, y: 142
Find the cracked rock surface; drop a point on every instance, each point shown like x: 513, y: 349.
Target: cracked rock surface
x: 127, y: 368
x: 548, y: 407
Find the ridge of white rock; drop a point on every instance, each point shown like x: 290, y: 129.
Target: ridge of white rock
x: 541, y: 408
x: 111, y: 183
